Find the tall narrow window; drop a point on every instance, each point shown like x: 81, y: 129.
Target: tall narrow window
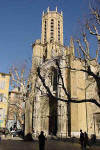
x: 52, y: 29
x: 1, y: 97
x: 58, y: 30
x: 2, y: 84
x: 45, y: 30
x: 53, y: 78
x: 2, y: 114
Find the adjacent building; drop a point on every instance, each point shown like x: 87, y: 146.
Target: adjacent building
x: 4, y: 90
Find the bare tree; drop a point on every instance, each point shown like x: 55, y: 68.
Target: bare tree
x: 92, y: 27
x: 21, y: 79
x: 16, y: 108
x: 67, y: 93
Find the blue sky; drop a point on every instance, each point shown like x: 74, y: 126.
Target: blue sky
x: 20, y: 26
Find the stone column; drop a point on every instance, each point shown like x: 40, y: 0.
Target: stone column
x: 28, y: 117
x: 36, y: 117
x: 62, y: 120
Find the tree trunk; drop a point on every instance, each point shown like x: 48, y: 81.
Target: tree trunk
x: 28, y: 118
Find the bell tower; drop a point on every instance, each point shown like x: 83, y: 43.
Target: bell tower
x: 52, y: 27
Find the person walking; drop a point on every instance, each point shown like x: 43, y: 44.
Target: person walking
x: 85, y: 139
x: 41, y: 141
x: 81, y: 139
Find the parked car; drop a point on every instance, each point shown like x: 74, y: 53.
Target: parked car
x: 4, y: 131
x: 17, y: 132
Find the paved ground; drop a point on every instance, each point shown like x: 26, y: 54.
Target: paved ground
x: 50, y: 145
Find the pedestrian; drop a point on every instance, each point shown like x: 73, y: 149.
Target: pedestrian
x: 85, y: 139
x: 10, y: 128
x: 81, y: 139
x: 41, y: 141
x: 93, y: 139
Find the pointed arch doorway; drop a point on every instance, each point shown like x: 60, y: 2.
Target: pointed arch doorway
x: 52, y: 117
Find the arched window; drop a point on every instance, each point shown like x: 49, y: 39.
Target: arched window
x: 45, y: 30
x: 58, y: 30
x: 52, y: 29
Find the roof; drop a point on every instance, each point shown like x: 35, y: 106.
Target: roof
x: 5, y: 73
x: 14, y: 92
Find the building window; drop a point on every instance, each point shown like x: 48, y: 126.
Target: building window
x: 2, y: 97
x: 2, y: 84
x: 52, y: 29
x: 53, y: 78
x: 59, y: 91
x: 58, y: 30
x: 45, y: 30
x: 2, y: 114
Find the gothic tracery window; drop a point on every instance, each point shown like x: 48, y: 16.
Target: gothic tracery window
x: 53, y: 79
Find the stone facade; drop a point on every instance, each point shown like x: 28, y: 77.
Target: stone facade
x: 57, y: 117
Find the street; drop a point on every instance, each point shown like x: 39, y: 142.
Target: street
x: 50, y: 145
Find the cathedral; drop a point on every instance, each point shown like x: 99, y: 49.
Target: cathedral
x: 59, y: 118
